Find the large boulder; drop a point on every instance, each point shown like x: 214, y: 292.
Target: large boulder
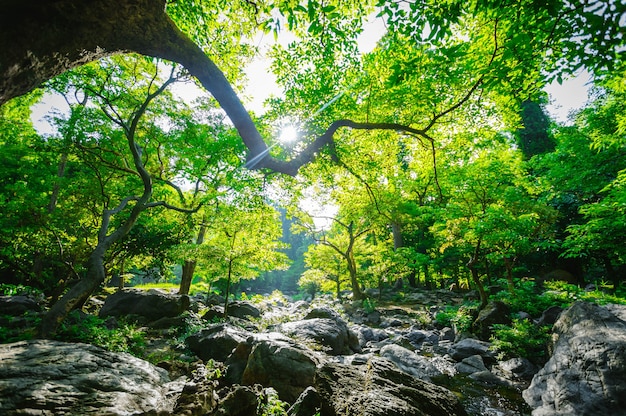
x: 17, y: 305
x: 471, y: 346
x: 243, y: 310
x: 52, y: 377
x: 586, y: 374
x: 147, y: 306
x: 326, y: 329
x: 275, y: 361
x: 493, y: 313
x: 410, y: 362
x: 216, y: 342
x: 380, y: 389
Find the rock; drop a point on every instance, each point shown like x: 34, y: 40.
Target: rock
x: 366, y: 334
x: 488, y: 377
x: 471, y: 346
x: 198, y: 396
x: 148, y: 306
x: 324, y: 313
x: 550, y: 316
x: 51, y: 377
x: 494, y: 313
x: 409, y: 362
x: 216, y: 342
x: 17, y: 305
x: 586, y: 374
x: 517, y: 369
x: 417, y: 337
x: 380, y: 389
x: 470, y: 365
x: 308, y: 404
x: 243, y: 310
x: 238, y: 401
x: 214, y: 313
x: 281, y: 364
x: 329, y: 331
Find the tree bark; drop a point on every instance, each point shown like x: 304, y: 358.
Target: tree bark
x: 189, y: 266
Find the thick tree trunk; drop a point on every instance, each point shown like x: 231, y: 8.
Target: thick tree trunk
x: 77, y: 295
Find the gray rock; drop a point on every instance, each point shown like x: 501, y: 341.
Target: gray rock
x: 550, y: 315
x: 487, y: 377
x: 517, y: 369
x: 214, y: 313
x: 284, y: 365
x: 494, y: 313
x: 366, y: 334
x: 330, y: 334
x: 52, y: 377
x: 471, y: 365
x: 586, y: 374
x: 243, y: 310
x: 308, y: 404
x: 380, y: 389
x: 409, y: 362
x: 17, y: 305
x: 471, y: 346
x: 216, y: 342
x: 238, y: 401
x: 148, y: 306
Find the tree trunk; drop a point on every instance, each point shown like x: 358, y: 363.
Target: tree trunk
x: 230, y: 269
x: 354, y: 281
x: 189, y: 266
x: 77, y: 295
x: 508, y: 264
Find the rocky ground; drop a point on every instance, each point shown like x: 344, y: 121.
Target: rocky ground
x: 302, y: 358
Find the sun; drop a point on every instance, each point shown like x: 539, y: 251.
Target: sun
x: 288, y: 134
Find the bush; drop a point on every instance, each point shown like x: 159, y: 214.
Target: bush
x: 124, y: 337
x: 521, y: 339
x: 458, y: 316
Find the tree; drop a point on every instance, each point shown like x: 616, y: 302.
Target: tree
x: 120, y: 142
x: 242, y: 243
x: 77, y: 32
x: 489, y: 213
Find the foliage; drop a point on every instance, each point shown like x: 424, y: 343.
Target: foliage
x: 522, y: 339
x: 271, y: 405
x: 460, y: 317
x: 90, y: 329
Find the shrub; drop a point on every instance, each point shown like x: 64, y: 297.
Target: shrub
x: 521, y: 339
x: 90, y: 329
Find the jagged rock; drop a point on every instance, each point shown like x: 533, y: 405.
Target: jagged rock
x: 366, y: 334
x: 198, y: 396
x: 216, y: 342
x: 380, y: 389
x: 586, y: 374
x: 550, y: 315
x: 239, y: 401
x: 471, y: 346
x: 148, y: 306
x: 494, y: 313
x: 517, y: 369
x: 243, y: 310
x: 470, y: 365
x: 324, y: 327
x: 273, y: 360
x: 410, y: 362
x: 416, y: 337
x: 488, y: 377
x: 52, y: 377
x: 308, y: 404
x: 17, y: 305
x: 214, y: 312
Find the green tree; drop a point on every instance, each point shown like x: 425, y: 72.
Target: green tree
x: 242, y: 243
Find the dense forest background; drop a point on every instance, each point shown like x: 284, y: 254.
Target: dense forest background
x: 439, y: 165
